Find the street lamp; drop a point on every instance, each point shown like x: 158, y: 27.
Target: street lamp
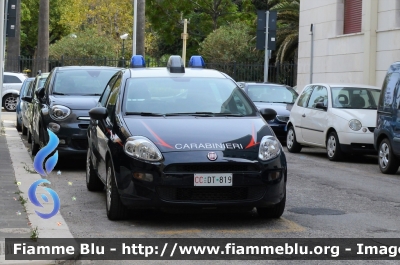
x: 123, y: 37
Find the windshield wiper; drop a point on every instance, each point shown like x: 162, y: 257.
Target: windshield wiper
x: 144, y: 113
x: 283, y: 102
x: 58, y: 93
x: 229, y: 114
x: 203, y: 114
x: 94, y: 94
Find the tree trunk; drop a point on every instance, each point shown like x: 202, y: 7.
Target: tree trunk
x: 14, y: 43
x: 43, y: 37
x: 141, y: 26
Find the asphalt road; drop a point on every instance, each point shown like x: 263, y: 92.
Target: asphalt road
x: 324, y: 199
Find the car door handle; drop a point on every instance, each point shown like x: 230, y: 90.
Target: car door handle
x: 303, y: 115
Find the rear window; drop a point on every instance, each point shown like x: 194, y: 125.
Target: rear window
x: 11, y: 79
x: 82, y: 81
x: 186, y: 95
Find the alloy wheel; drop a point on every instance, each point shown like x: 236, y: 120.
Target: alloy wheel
x: 290, y: 139
x: 384, y: 155
x: 10, y: 103
x: 108, y: 188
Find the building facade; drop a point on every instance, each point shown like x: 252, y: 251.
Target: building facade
x: 351, y: 41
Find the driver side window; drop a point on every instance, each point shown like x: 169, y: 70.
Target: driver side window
x: 319, y: 94
x: 112, y: 99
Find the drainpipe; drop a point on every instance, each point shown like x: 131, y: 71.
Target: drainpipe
x: 312, y: 52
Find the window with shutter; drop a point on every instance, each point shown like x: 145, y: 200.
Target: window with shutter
x: 352, y: 16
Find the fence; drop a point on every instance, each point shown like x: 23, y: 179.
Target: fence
x: 283, y: 73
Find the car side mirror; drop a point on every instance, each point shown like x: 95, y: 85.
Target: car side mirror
x: 27, y: 99
x: 40, y: 92
x: 268, y: 114
x: 98, y: 113
x: 321, y: 105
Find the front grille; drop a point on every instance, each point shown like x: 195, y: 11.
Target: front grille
x: 211, y: 194
x: 371, y: 129
x: 211, y: 167
x: 79, y: 144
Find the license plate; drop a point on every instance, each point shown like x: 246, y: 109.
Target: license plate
x: 221, y: 179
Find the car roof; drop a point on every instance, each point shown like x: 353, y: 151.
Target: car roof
x: 86, y: 67
x: 163, y: 72
x: 343, y: 85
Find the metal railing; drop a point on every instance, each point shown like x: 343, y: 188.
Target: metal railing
x: 282, y: 73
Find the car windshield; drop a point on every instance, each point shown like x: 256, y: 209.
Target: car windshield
x: 82, y: 81
x: 271, y: 94
x: 355, y: 97
x: 185, y: 96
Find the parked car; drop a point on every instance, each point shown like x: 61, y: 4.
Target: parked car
x: 275, y: 96
x: 338, y: 117
x: 182, y: 137
x: 62, y: 106
x: 21, y: 104
x: 12, y: 84
x: 387, y: 132
x: 27, y: 111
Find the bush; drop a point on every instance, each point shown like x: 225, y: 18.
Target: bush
x: 231, y: 43
x: 85, y: 44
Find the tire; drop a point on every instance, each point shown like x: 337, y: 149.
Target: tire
x: 275, y: 211
x: 115, y: 209
x: 333, y: 150
x: 34, y: 146
x: 10, y: 103
x: 19, y: 126
x: 93, y: 182
x: 24, y: 130
x: 291, y: 143
x: 29, y: 137
x: 388, y: 162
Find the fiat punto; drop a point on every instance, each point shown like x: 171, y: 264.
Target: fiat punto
x: 183, y: 137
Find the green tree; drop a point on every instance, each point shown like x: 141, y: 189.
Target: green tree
x: 288, y: 29
x: 30, y: 22
x: 231, y: 43
x: 85, y: 44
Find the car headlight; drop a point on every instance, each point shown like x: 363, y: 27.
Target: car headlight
x: 355, y: 125
x: 284, y: 119
x: 142, y: 148
x: 59, y: 112
x: 269, y: 148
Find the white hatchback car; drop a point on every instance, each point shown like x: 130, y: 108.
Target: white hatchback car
x: 338, y: 117
x: 12, y: 83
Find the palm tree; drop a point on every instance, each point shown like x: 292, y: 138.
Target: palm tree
x: 288, y: 29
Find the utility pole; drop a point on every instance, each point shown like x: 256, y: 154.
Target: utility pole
x: 312, y: 52
x: 266, y: 56
x: 1, y: 50
x: 134, y: 27
x: 184, y: 37
x: 141, y: 27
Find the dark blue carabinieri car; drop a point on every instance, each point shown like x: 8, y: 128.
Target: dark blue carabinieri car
x: 183, y: 137
x: 275, y: 96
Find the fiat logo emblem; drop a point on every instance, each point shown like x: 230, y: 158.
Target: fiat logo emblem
x: 212, y: 156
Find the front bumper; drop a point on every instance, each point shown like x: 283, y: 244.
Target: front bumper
x: 357, y: 142
x: 254, y: 183
x: 72, y: 134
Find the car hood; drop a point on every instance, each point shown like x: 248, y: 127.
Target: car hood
x: 367, y: 117
x: 172, y: 134
x: 282, y: 109
x: 75, y: 102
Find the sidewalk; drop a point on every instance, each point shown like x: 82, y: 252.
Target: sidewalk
x: 17, y: 218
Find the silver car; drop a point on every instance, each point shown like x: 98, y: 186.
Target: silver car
x: 12, y: 83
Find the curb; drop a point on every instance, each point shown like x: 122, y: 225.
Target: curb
x: 47, y: 228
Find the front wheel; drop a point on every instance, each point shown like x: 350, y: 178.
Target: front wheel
x: 333, y: 147
x: 291, y: 143
x: 388, y: 162
x: 93, y: 182
x: 115, y: 209
x: 34, y: 146
x: 274, y: 212
x: 10, y: 103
